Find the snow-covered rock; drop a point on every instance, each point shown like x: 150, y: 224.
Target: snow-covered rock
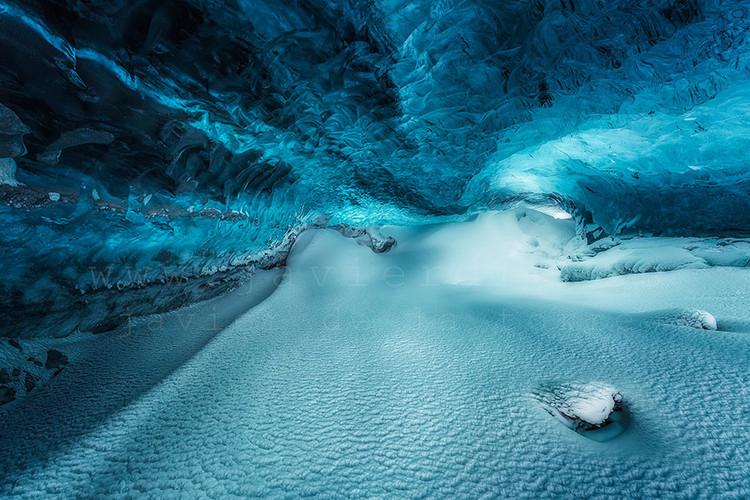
x: 581, y: 407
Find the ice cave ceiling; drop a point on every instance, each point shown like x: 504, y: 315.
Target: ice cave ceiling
x: 190, y: 136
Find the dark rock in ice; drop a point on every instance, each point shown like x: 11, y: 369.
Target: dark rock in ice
x: 18, y: 196
x: 16, y: 373
x: 381, y: 244
x: 29, y: 382
x: 4, y: 376
x: 588, y: 408
x: 369, y: 237
x: 16, y: 344
x: 55, y: 360
x: 7, y: 394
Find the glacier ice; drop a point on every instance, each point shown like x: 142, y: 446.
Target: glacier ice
x: 186, y: 138
x: 8, y: 172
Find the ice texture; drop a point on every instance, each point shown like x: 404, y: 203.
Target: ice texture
x: 185, y: 138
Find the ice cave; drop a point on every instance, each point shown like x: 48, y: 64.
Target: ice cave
x: 375, y: 249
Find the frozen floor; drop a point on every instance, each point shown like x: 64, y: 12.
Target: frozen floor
x: 391, y: 376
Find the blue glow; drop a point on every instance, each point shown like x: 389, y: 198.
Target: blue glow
x: 629, y: 117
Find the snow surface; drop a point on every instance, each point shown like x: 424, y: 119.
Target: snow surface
x: 593, y: 407
x: 405, y: 374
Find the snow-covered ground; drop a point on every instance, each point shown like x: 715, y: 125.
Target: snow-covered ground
x: 408, y: 374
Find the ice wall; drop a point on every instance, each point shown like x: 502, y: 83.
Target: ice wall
x: 146, y: 141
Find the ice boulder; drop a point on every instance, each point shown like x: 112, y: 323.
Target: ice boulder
x: 584, y: 407
x: 693, y: 318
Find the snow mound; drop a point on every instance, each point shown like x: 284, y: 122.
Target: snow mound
x: 510, y: 251
x: 693, y: 318
x: 618, y: 261
x: 648, y: 255
x: 581, y: 407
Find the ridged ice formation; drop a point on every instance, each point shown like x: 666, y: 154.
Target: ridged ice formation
x: 182, y: 138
